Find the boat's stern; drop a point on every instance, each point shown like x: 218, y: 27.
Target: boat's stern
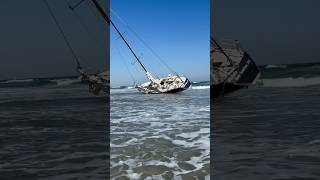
x: 187, y: 83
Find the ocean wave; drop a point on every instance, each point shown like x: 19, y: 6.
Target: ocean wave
x: 66, y: 82
x: 141, y: 127
x: 315, y: 67
x: 17, y: 81
x: 200, y: 87
x: 289, y: 82
x: 39, y: 82
x: 273, y: 66
x: 122, y: 87
x: 25, y: 82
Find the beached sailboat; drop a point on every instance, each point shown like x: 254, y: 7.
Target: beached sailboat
x: 97, y: 81
x: 231, y: 68
x: 169, y: 84
x: 100, y: 81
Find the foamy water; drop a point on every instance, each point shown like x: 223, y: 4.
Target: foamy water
x: 52, y: 132
x: 164, y: 136
x: 267, y: 133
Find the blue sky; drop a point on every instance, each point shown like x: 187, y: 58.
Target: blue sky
x: 177, y: 30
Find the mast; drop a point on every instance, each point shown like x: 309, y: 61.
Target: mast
x: 108, y: 20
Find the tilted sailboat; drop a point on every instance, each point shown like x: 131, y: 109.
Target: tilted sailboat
x: 169, y: 84
x: 96, y: 81
x: 231, y: 69
x: 100, y: 81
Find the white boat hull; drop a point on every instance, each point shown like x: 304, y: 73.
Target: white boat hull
x: 171, y: 84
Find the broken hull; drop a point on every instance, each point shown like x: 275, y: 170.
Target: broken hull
x: 221, y: 89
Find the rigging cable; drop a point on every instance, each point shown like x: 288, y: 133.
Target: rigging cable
x: 86, y: 29
x: 82, y: 21
x: 96, y: 15
x: 143, y: 42
x: 76, y: 5
x: 108, y: 20
x: 125, y: 64
x: 64, y: 37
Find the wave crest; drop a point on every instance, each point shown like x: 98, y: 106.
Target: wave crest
x: 39, y: 82
x: 201, y: 87
x: 289, y: 82
x: 273, y: 66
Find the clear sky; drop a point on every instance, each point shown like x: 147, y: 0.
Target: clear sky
x: 273, y: 31
x: 178, y: 31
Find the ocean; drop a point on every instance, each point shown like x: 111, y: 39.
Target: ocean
x: 160, y: 136
x: 272, y: 129
x: 52, y: 128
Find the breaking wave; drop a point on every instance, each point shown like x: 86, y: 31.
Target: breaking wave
x: 289, y: 82
x: 270, y: 66
x: 66, y: 82
x: 17, y: 81
x: 290, y: 75
x: 200, y: 87
x: 122, y: 87
x: 39, y: 82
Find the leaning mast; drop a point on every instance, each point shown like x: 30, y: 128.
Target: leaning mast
x: 164, y: 85
x: 108, y: 20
